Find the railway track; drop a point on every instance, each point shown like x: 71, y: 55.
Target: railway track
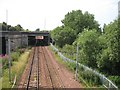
x: 30, y: 77
x: 55, y: 79
x: 41, y: 72
x: 33, y: 76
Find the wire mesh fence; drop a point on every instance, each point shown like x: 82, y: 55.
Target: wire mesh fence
x: 84, y: 70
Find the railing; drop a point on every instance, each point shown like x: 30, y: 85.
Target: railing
x: 105, y: 81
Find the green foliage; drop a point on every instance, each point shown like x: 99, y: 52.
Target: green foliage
x: 74, y: 23
x: 110, y: 53
x: 63, y: 35
x: 98, y: 50
x: 69, y: 51
x: 78, y: 21
x: 38, y: 30
x: 12, y: 28
x: 89, y: 47
x: 16, y: 69
x: 90, y: 78
x: 4, y: 62
x: 6, y: 27
x: 15, y: 56
x: 116, y: 80
x: 72, y: 66
x: 19, y: 28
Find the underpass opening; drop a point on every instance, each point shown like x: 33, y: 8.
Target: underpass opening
x: 3, y: 51
x: 31, y: 40
x: 38, y: 40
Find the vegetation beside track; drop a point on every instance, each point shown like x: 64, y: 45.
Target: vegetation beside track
x: 18, y: 65
x: 99, y: 48
x: 87, y: 80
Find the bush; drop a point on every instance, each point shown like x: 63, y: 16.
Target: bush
x: 115, y: 79
x: 4, y: 61
x: 15, y: 56
x: 21, y: 50
x: 90, y: 77
x: 72, y: 66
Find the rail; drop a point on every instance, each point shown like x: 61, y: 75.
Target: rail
x: 105, y: 81
x: 54, y: 84
x: 34, y: 63
x: 29, y: 75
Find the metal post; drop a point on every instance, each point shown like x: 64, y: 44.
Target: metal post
x: 9, y: 59
x: 6, y: 18
x: 76, y: 72
x: 27, y: 40
x: 21, y: 40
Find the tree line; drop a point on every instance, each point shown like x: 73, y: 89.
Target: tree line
x: 98, y: 49
x: 6, y: 27
x: 18, y: 27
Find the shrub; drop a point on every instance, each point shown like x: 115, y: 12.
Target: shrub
x: 22, y: 51
x: 72, y: 66
x: 90, y: 77
x: 15, y: 56
x: 4, y: 60
x: 115, y: 79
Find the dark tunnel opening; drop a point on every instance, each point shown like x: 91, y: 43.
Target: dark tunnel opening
x: 32, y: 41
x: 3, y: 46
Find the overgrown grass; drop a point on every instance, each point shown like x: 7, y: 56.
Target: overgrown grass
x: 16, y: 69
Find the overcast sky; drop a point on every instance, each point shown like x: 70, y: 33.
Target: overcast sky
x: 47, y: 14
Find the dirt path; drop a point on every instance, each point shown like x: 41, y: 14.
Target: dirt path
x: 51, y: 74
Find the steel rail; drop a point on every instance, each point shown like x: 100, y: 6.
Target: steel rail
x: 29, y: 75
x: 60, y: 81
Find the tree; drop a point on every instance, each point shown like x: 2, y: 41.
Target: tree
x: 90, y: 22
x: 27, y: 30
x: 12, y: 28
x: 4, y: 26
x: 79, y: 21
x: 38, y: 29
x: 74, y: 20
x: 89, y: 47
x: 110, y: 53
x: 19, y: 28
x: 63, y: 35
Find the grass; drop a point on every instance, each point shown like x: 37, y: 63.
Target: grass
x: 71, y: 66
x: 0, y: 83
x: 16, y: 69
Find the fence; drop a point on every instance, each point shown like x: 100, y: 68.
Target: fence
x: 105, y: 82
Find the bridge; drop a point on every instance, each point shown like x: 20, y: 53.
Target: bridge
x: 9, y: 33
x: 22, y: 39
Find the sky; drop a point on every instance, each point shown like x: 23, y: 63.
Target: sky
x: 47, y: 14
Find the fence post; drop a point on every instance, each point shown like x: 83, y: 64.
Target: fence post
x: 76, y: 72
x: 9, y: 59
